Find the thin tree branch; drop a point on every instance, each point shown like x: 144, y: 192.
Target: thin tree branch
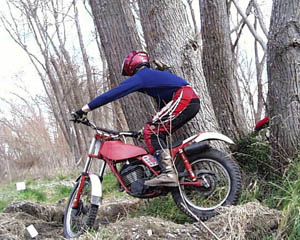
x: 250, y: 27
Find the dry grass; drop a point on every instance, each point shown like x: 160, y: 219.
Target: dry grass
x: 244, y: 222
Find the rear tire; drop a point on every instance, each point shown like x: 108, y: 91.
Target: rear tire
x: 77, y: 221
x: 224, y: 185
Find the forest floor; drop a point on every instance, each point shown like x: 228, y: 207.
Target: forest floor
x: 249, y: 221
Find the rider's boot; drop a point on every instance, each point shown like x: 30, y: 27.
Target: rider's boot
x: 168, y: 177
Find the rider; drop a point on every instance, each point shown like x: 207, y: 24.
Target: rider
x: 176, y: 100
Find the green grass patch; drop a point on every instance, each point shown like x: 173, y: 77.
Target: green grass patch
x: 33, y: 195
x: 253, y: 156
x: 41, y: 190
x: 165, y: 208
x: 59, y: 192
x: 110, y: 186
x: 99, y: 234
x: 4, y: 203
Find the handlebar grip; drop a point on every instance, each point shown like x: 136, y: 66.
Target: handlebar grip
x: 135, y: 134
x: 108, y: 131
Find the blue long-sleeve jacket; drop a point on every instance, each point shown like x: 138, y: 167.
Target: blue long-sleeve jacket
x: 157, y: 84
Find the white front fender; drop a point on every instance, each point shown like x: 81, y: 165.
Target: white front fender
x: 213, y: 136
x: 96, y: 197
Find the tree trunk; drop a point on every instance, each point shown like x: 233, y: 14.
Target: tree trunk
x: 219, y: 69
x: 169, y: 39
x: 118, y: 35
x: 283, y: 66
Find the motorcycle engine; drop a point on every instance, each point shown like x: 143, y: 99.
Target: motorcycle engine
x: 134, y: 176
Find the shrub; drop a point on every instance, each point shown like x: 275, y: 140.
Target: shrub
x: 253, y: 155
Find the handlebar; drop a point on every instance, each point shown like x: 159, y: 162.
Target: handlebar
x: 87, y: 122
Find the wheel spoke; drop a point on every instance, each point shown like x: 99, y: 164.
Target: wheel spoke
x: 212, y: 196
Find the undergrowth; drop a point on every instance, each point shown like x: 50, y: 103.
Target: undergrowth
x: 263, y: 184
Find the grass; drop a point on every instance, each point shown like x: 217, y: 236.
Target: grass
x: 51, y: 190
x: 33, y: 194
x: 4, y: 203
x: 110, y: 187
x: 60, y: 192
x: 287, y: 197
x: 46, y: 190
x: 165, y: 208
x: 279, y: 192
x: 100, y: 234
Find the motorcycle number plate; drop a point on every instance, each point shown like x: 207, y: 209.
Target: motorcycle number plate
x: 150, y: 160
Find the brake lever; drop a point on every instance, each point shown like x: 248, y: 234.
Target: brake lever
x: 86, y: 122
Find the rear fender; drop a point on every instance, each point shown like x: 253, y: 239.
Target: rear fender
x: 96, y: 197
x: 205, y: 136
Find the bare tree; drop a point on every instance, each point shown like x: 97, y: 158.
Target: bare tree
x: 46, y: 24
x: 250, y: 26
x: 118, y: 34
x: 29, y: 141
x: 255, y: 95
x: 284, y: 80
x: 170, y: 40
x: 219, y: 68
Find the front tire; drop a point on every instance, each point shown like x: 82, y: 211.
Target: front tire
x: 78, y: 220
x: 222, y: 177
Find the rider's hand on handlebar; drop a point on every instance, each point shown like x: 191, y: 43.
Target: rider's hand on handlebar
x: 79, y: 116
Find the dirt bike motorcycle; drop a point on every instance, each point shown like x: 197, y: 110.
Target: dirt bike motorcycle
x: 207, y: 177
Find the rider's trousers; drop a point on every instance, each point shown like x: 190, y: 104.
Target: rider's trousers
x: 183, y: 107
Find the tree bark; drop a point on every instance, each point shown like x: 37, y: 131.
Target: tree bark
x: 118, y: 35
x: 283, y: 66
x: 219, y: 69
x: 169, y: 38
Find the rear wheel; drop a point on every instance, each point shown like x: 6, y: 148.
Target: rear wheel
x: 221, y: 180
x: 78, y: 220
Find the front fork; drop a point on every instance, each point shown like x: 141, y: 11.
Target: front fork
x: 96, y: 194
x: 78, y: 194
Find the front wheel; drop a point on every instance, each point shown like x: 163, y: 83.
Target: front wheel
x: 78, y: 219
x: 221, y: 186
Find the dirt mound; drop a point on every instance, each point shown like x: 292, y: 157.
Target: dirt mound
x: 249, y: 221
x: 47, y: 220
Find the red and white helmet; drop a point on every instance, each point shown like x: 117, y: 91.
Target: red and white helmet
x: 133, y: 61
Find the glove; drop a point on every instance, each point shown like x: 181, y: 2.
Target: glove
x: 79, y: 116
